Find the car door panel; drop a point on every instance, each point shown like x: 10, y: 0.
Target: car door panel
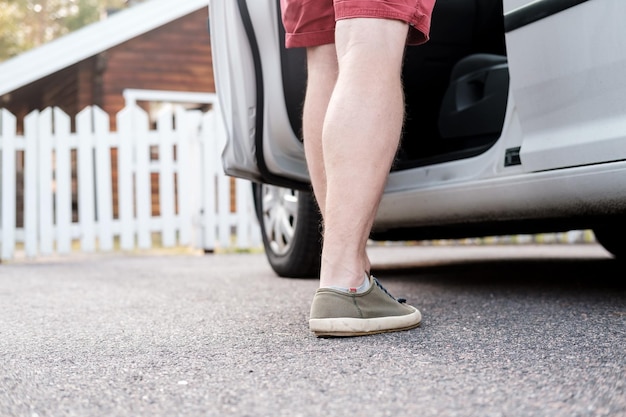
x: 568, y: 80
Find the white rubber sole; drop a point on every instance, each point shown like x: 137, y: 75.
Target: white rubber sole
x: 347, y: 326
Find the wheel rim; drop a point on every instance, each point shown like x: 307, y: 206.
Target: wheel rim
x: 280, y: 208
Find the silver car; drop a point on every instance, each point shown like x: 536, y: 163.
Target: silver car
x: 516, y: 124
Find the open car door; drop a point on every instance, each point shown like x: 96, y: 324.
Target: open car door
x: 262, y: 143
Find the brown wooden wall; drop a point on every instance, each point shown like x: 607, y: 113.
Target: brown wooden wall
x: 175, y: 57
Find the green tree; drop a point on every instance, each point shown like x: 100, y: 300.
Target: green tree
x: 25, y: 24
x: 9, y: 30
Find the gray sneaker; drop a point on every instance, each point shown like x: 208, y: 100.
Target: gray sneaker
x: 337, y: 313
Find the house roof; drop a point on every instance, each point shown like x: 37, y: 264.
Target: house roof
x: 91, y: 40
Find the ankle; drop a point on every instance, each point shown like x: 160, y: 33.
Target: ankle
x: 333, y: 277
x: 364, y: 287
x: 341, y: 270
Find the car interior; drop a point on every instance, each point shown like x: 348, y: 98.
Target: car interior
x: 456, y: 85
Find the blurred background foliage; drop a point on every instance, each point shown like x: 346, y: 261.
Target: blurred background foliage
x: 25, y: 24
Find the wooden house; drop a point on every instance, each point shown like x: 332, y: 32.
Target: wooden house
x: 154, y: 45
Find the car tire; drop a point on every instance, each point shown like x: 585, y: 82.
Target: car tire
x: 612, y: 239
x: 290, y: 227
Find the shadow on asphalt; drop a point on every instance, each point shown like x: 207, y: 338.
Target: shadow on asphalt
x: 579, y: 273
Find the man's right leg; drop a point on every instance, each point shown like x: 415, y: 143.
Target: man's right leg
x: 355, y: 141
x: 322, y: 68
x: 360, y: 135
x: 361, y: 131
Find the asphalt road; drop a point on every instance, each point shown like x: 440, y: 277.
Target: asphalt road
x: 507, y: 331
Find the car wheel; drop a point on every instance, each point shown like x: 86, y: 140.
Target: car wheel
x: 290, y: 226
x: 612, y: 239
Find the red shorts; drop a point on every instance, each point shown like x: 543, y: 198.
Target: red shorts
x: 312, y: 22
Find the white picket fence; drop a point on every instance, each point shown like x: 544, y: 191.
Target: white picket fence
x: 68, y: 198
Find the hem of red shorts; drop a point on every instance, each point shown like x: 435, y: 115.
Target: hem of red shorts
x: 417, y: 36
x: 418, y: 22
x: 418, y: 33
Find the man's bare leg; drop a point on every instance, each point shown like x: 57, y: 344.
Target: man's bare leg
x: 322, y: 76
x: 361, y: 130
